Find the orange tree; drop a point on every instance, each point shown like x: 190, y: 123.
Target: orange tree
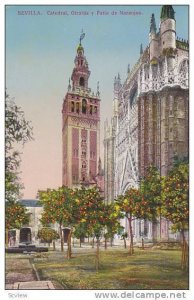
x: 176, y: 201
x: 47, y: 234
x: 18, y: 131
x: 81, y: 231
x: 112, y: 222
x: 59, y: 206
x: 151, y: 189
x: 133, y: 206
x: 16, y: 215
x: 92, y: 213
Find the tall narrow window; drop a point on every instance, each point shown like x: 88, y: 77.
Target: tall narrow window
x: 84, y: 106
x: 72, y: 106
x: 82, y: 81
x: 77, y: 107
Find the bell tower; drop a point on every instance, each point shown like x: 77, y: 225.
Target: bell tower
x: 81, y: 126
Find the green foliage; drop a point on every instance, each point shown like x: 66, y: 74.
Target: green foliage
x: 59, y: 206
x: 176, y: 196
x: 16, y: 215
x: 47, y: 234
x: 17, y: 132
x: 80, y: 231
x: 151, y: 191
x: 91, y: 210
x: 112, y: 220
x: 134, y: 205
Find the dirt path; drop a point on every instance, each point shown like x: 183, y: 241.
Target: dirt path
x: 18, y: 269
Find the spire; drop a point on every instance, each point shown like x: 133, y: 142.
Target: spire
x: 141, y: 49
x: 152, y: 24
x: 167, y: 12
x: 99, y: 166
x: 69, y: 85
x: 117, y: 83
x: 128, y: 69
x: 98, y: 90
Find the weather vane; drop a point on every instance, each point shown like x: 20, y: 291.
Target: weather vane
x: 81, y: 36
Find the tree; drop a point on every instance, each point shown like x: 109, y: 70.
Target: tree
x: 80, y: 232
x: 151, y: 189
x: 16, y: 215
x: 48, y: 235
x: 176, y: 202
x: 92, y: 214
x: 18, y: 131
x: 112, y: 222
x: 59, y: 206
x: 134, y: 206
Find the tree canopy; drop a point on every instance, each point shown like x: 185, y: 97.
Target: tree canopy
x: 18, y: 131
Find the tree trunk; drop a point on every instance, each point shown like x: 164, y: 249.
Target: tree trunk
x: 97, y: 255
x: 142, y: 241
x: 69, y: 244
x: 54, y: 248
x: 61, y: 236
x: 93, y: 243
x: 7, y: 238
x: 154, y: 231
x: 131, y: 250
x: 111, y: 242
x: 184, y: 258
x: 125, y: 244
x: 80, y: 243
x: 105, y: 243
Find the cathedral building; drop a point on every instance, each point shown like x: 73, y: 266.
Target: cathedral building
x: 149, y: 125
x: 81, y: 127
x: 163, y: 97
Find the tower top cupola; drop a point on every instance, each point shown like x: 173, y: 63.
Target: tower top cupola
x: 167, y: 12
x: 81, y: 71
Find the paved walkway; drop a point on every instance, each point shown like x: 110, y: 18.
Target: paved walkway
x: 21, y: 275
x: 33, y: 285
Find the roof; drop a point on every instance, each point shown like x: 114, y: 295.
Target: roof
x: 30, y: 202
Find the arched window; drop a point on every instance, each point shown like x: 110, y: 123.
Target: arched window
x: 133, y: 96
x: 72, y: 106
x: 95, y: 109
x: 82, y: 81
x: 77, y: 107
x: 84, y: 106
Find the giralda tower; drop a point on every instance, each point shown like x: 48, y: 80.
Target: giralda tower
x: 81, y: 126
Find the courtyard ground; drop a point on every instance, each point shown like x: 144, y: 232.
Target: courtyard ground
x: 146, y: 269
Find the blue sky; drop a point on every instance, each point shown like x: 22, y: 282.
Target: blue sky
x: 40, y: 52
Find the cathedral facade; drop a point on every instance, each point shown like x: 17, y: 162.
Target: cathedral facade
x: 150, y: 116
x: 81, y: 127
